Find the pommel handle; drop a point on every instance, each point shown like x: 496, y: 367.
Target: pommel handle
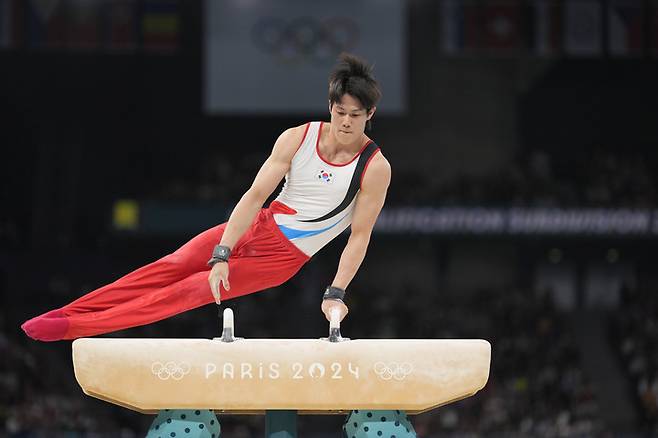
x: 228, y: 319
x: 335, y: 319
x: 228, y: 330
x: 334, y: 327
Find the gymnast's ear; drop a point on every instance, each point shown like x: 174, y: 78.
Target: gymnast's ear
x: 371, y: 112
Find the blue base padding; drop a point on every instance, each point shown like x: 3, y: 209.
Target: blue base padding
x: 378, y: 424
x: 185, y: 423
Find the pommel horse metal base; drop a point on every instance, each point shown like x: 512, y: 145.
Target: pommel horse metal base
x: 188, y: 381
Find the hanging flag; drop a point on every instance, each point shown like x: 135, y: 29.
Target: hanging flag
x: 83, y: 24
x: 583, y: 28
x: 46, y: 24
x: 460, y: 31
x: 626, y: 27
x: 120, y: 25
x: 161, y: 25
x: 501, y: 26
x: 546, y: 27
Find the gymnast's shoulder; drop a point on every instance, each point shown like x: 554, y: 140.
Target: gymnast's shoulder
x: 377, y: 172
x: 289, y: 141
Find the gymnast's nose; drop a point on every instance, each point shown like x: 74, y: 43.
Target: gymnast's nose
x: 346, y: 122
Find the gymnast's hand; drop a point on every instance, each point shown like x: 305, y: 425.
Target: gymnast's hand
x: 329, y: 305
x: 219, y: 272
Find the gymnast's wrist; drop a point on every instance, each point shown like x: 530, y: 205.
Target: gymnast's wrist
x: 334, y: 293
x: 220, y: 253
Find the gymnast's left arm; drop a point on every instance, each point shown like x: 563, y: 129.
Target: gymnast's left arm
x: 369, y: 203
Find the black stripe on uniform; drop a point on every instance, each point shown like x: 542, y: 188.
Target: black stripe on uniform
x: 355, y: 183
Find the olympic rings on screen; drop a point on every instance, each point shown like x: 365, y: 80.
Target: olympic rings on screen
x: 305, y: 38
x: 393, y: 370
x: 170, y: 370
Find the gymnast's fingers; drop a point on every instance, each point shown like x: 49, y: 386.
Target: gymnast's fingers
x: 225, y: 282
x: 329, y: 305
x: 215, y: 292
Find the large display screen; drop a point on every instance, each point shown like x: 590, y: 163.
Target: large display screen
x: 274, y: 57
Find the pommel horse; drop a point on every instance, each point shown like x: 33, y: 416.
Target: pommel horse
x: 186, y: 382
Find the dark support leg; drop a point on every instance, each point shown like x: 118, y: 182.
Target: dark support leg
x: 281, y: 424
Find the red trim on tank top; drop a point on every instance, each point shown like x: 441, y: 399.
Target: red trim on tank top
x: 317, y: 150
x: 366, y: 166
x: 303, y: 137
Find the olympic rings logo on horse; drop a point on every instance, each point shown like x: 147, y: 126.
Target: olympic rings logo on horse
x: 170, y: 370
x: 393, y: 370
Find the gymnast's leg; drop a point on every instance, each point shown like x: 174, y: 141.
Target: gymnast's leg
x: 136, y: 287
x: 263, y: 258
x: 249, y: 273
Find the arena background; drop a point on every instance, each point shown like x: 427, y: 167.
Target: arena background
x: 522, y: 210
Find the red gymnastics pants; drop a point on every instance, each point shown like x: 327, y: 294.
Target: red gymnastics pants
x: 178, y: 282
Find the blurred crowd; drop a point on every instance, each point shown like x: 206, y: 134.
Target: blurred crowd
x: 537, y: 385
x: 634, y: 332
x: 609, y: 179
x: 535, y: 179
x: 35, y: 400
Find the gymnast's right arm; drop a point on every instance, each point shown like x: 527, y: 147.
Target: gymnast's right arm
x: 268, y: 178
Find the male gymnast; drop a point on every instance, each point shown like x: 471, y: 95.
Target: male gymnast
x: 335, y: 177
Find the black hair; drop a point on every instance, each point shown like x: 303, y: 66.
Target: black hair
x: 353, y: 75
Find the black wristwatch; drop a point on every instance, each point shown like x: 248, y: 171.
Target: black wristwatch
x: 333, y: 293
x: 221, y: 253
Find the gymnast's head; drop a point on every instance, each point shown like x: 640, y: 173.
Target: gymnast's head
x: 353, y: 97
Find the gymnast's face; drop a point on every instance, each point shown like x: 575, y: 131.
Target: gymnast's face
x: 348, y: 119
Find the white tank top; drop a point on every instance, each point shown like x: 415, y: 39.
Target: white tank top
x: 320, y: 196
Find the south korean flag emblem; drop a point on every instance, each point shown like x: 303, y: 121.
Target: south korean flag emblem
x: 325, y: 176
